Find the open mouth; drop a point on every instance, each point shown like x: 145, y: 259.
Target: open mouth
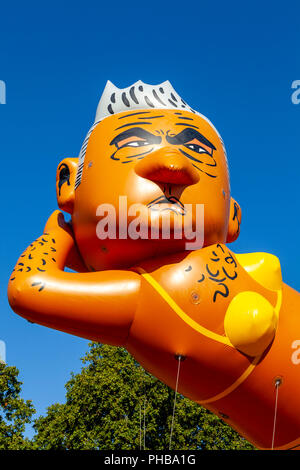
x: 164, y: 203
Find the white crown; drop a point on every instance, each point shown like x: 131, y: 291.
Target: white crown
x: 140, y: 95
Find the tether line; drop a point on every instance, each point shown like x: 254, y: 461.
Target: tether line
x: 140, y: 427
x: 145, y: 424
x: 179, y: 358
x: 277, y: 384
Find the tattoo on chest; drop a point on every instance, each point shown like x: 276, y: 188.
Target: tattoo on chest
x: 221, y: 269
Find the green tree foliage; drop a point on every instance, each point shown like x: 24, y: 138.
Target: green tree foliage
x: 15, y: 413
x: 113, y: 399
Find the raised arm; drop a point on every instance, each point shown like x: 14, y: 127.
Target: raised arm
x: 99, y: 306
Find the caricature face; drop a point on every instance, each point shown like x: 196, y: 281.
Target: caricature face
x: 160, y: 160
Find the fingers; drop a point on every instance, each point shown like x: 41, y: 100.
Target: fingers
x: 56, y: 222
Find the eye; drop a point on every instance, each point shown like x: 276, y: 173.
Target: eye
x: 136, y: 143
x: 196, y: 148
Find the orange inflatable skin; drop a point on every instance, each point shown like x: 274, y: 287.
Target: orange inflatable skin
x: 154, y: 297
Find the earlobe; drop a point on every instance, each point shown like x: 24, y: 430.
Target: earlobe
x: 235, y: 217
x: 65, y: 184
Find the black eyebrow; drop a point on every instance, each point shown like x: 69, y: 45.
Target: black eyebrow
x: 136, y: 132
x: 189, y: 134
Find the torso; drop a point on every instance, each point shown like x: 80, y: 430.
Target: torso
x: 183, y: 302
x: 181, y: 311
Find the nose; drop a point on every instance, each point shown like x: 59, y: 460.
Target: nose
x: 167, y: 165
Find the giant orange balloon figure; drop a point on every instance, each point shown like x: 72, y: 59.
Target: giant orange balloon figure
x: 150, y: 162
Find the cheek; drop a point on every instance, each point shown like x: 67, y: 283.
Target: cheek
x: 140, y: 190
x: 106, y: 179
x: 214, y: 199
x: 103, y: 183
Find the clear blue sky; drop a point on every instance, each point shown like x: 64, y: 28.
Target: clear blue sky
x: 233, y: 63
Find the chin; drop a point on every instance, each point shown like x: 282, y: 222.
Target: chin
x: 124, y: 254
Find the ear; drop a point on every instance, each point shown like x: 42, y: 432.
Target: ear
x: 235, y: 217
x: 65, y: 184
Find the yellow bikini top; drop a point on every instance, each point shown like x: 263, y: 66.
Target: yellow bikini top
x: 264, y: 268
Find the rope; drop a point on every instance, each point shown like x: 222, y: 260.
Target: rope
x: 277, y: 384
x: 174, y: 406
x: 140, y: 427
x: 145, y: 424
